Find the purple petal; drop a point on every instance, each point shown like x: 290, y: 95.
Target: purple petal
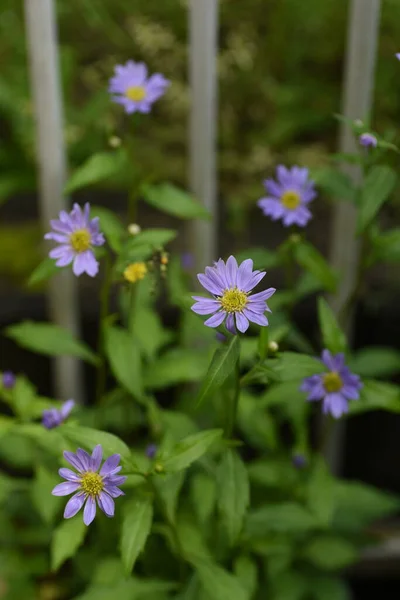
x: 273, y: 188
x: 106, y: 503
x: 242, y: 322
x: 68, y: 474
x: 114, y: 491
x: 255, y: 317
x: 60, y: 226
x: 231, y: 271
x: 89, y: 512
x: 95, y: 460
x: 85, y: 262
x: 254, y: 281
x: 67, y: 408
x: 209, y: 285
x: 114, y: 479
x: 66, y: 259
x: 335, y: 404
x: 262, y: 295
x: 57, y: 237
x: 206, y: 306
x: 74, y: 460
x: 244, y: 272
x: 271, y: 208
x: 350, y: 392
x: 66, y: 488
x: 283, y: 175
x: 60, y: 251
x: 85, y: 459
x: 110, y: 464
x: 216, y: 319
x: 74, y: 505
x: 328, y: 360
x: 230, y: 324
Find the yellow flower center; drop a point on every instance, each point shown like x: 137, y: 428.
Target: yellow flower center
x: 332, y: 382
x: 80, y: 240
x: 290, y: 199
x: 136, y: 93
x: 92, y: 484
x: 233, y: 300
x: 135, y: 272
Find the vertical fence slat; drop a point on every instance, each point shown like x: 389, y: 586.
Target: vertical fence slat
x: 45, y: 83
x: 358, y: 89
x: 203, y: 26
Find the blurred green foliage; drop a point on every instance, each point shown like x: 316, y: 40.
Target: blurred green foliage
x: 280, y: 71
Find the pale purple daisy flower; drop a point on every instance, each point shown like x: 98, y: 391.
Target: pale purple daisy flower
x: 151, y: 451
x: 397, y: 55
x: 53, y: 417
x: 368, y: 140
x: 90, y: 484
x: 76, y: 234
x: 134, y: 89
x: 8, y: 379
x: 231, y: 286
x: 336, y: 388
x: 289, y: 196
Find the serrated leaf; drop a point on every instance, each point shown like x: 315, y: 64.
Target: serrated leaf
x: 332, y: 336
x: 49, y: 339
x: 378, y: 186
x: 224, y: 362
x: 136, y: 526
x: 310, y: 259
x: 189, y: 449
x: 233, y: 493
x: 174, y: 201
x: 66, y: 540
x: 123, y: 353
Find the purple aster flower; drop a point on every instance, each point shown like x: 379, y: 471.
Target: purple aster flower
x: 336, y: 388
x: 289, y: 196
x: 53, y: 417
x: 9, y: 379
x: 231, y: 286
x: 368, y: 140
x: 299, y: 461
x: 134, y: 89
x: 76, y: 235
x: 397, y: 55
x: 90, y: 484
x: 151, y: 451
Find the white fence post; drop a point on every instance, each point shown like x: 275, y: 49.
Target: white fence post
x: 203, y: 27
x: 358, y: 88
x: 43, y: 62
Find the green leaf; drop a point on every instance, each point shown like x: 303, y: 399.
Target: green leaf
x: 256, y: 423
x: 281, y: 393
x: 376, y: 395
x: 332, y: 336
x: 66, y: 540
x: 328, y: 588
x: 203, y: 494
x: 49, y: 339
x: 320, y: 493
x: 168, y: 489
x: 310, y: 259
x: 378, y: 186
x: 149, y: 331
x: 44, y: 271
x: 330, y: 552
x: 335, y: 183
x: 179, y: 365
x: 224, y: 362
x: 286, y: 517
x: 98, y: 168
x: 144, y: 244
x: 357, y: 505
x: 218, y: 583
x: 174, y: 201
x: 246, y: 571
x: 375, y: 361
x: 262, y: 258
x: 89, y: 438
x: 45, y: 503
x: 233, y: 493
x: 386, y: 246
x: 189, y: 449
x: 24, y: 395
x: 291, y: 366
x: 123, y: 353
x: 136, y: 526
x: 110, y: 225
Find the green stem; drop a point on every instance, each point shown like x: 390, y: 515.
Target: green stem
x: 104, y: 309
x: 233, y: 405
x: 131, y: 307
x: 325, y: 433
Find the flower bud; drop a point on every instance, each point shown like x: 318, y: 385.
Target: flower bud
x: 273, y: 347
x: 134, y: 229
x: 115, y: 141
